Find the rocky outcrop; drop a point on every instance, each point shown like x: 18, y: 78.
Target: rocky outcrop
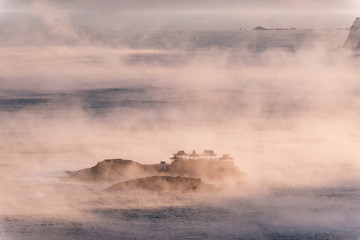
x: 112, y: 170
x: 120, y: 170
x: 274, y: 29
x: 260, y: 28
x: 162, y: 183
x: 353, y: 40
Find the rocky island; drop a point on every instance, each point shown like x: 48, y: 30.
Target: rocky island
x: 260, y: 28
x: 186, y: 172
x: 353, y: 40
x: 277, y: 29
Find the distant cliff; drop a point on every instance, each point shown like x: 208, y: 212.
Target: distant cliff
x: 353, y: 40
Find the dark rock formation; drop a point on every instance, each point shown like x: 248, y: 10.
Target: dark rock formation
x: 162, y: 183
x: 112, y: 170
x: 259, y: 28
x: 119, y: 170
x: 353, y: 40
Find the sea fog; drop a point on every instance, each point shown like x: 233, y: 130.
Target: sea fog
x: 284, y: 103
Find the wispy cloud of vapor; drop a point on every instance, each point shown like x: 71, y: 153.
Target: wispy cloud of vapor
x: 56, y: 21
x: 288, y: 117
x: 282, y: 117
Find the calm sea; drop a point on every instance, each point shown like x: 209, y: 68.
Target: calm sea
x: 45, y: 132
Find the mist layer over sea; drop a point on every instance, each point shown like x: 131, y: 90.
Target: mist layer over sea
x: 284, y: 103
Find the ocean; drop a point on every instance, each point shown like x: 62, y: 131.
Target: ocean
x: 284, y: 103
x: 287, y: 213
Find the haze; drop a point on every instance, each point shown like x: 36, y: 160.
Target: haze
x: 82, y: 81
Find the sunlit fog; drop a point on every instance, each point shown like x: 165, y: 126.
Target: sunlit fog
x: 174, y: 119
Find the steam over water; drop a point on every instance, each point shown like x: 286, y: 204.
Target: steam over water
x: 285, y: 104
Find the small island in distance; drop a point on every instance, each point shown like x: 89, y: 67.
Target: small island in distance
x: 261, y: 28
x: 185, y: 173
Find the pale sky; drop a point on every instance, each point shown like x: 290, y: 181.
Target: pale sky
x: 203, y: 5
x: 315, y: 14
